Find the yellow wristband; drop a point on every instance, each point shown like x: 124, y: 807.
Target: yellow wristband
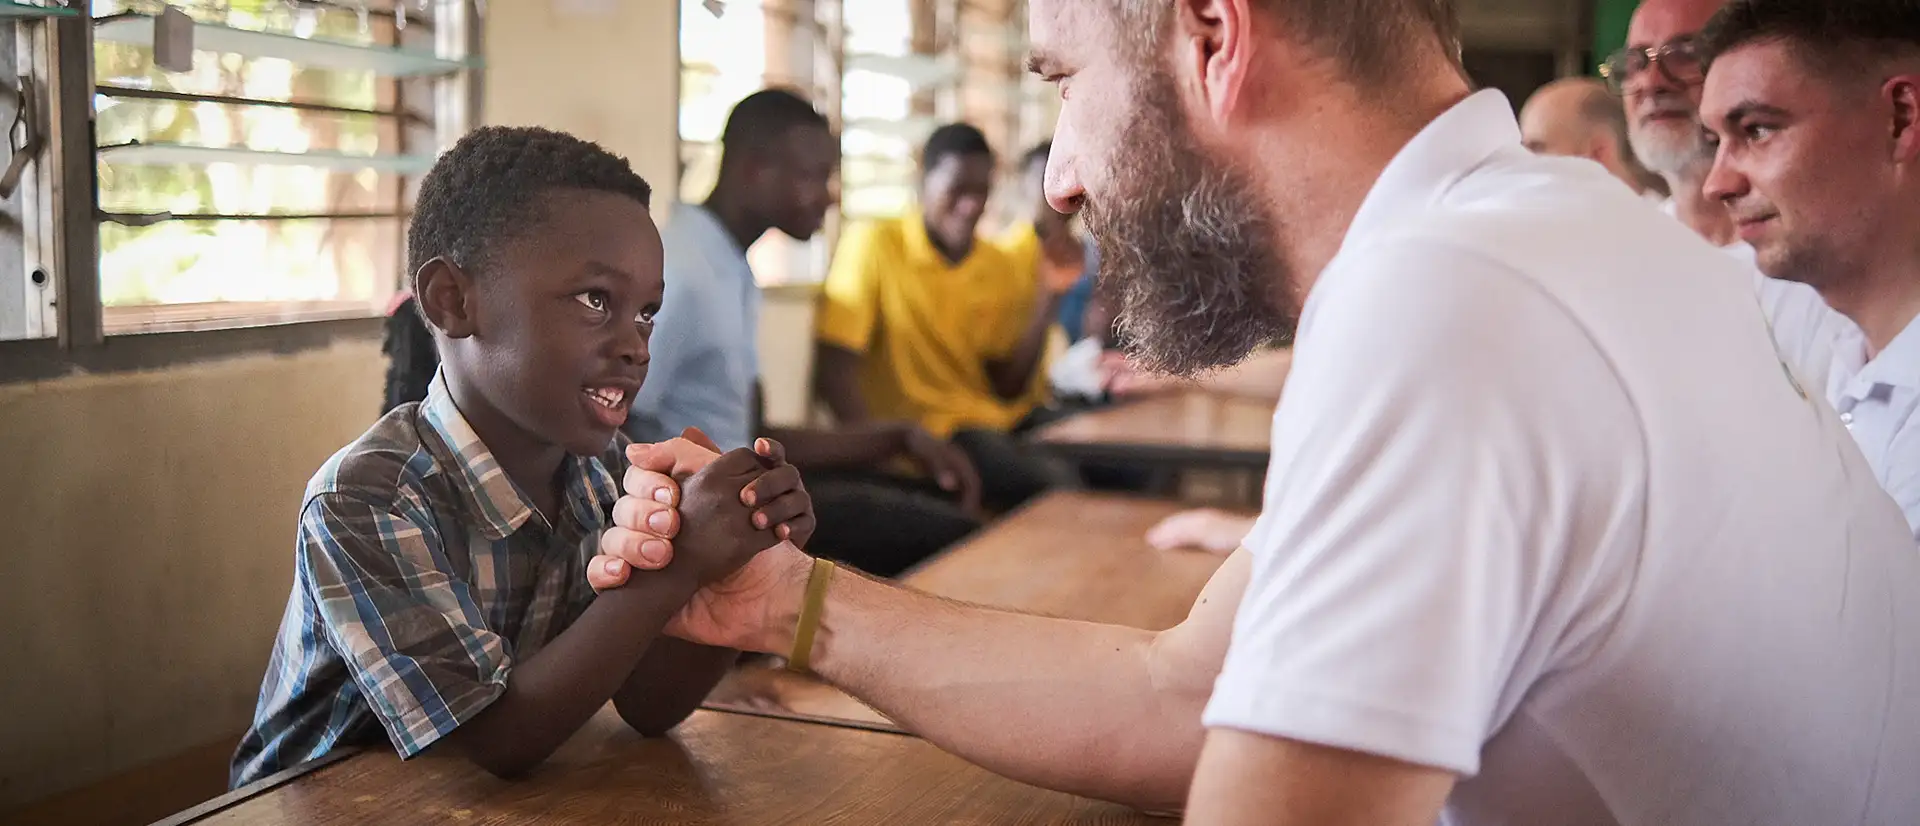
x: 816, y: 599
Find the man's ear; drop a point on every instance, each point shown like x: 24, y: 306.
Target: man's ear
x: 446, y: 295
x: 1902, y: 92
x: 1213, y: 37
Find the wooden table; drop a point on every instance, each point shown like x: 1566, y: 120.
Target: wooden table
x: 1181, y: 429
x: 1073, y: 555
x: 1078, y: 556
x: 716, y: 769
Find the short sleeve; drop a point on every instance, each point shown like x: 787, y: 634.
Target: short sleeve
x: 850, y: 299
x: 1455, y: 475
x: 408, y: 629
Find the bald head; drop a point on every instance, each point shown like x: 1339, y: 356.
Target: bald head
x: 1580, y: 118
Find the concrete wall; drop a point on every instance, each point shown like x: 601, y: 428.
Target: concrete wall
x: 148, y: 551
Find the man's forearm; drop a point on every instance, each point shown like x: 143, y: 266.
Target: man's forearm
x: 856, y: 446
x: 670, y: 682
x: 1012, y: 377
x: 837, y: 382
x: 551, y: 694
x: 1079, y: 707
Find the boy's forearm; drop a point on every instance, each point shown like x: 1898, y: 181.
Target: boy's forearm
x: 551, y: 694
x: 670, y: 682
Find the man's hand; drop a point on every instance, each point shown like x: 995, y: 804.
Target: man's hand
x: 1205, y: 528
x: 947, y: 464
x: 754, y: 609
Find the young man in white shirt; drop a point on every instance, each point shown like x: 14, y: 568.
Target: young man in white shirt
x: 1550, y: 535
x: 1659, y: 74
x: 1815, y: 107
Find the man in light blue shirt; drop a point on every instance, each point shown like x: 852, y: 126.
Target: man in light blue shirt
x: 706, y: 359
x: 776, y: 173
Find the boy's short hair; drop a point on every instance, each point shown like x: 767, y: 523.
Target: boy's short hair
x: 953, y: 139
x: 487, y: 187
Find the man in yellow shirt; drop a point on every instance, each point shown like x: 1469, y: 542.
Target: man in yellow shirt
x: 922, y: 322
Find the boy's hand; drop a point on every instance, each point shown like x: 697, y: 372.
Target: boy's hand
x: 650, y: 517
x: 718, y: 532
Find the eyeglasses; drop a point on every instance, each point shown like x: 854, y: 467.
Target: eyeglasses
x: 1678, y: 59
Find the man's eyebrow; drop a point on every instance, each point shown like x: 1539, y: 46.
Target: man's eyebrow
x: 1742, y: 110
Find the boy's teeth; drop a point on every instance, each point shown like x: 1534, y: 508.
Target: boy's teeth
x: 607, y: 396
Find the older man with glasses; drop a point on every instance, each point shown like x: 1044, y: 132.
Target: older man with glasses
x: 1658, y: 75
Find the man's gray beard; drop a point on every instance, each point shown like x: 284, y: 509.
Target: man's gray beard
x: 1673, y: 159
x: 1187, y: 248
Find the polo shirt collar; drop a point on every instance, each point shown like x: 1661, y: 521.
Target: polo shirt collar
x: 1449, y: 148
x: 1897, y: 366
x: 919, y: 245
x: 501, y: 507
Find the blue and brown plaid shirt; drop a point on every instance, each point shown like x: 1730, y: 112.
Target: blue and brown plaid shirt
x: 421, y: 575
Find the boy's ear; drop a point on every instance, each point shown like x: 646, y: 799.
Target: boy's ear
x: 446, y: 295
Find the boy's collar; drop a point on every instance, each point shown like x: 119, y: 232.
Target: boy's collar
x: 502, y: 508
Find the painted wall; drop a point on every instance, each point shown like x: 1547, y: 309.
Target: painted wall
x: 1610, y: 19
x: 605, y: 70
x: 148, y: 551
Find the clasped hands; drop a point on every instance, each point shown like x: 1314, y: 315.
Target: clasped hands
x: 735, y: 522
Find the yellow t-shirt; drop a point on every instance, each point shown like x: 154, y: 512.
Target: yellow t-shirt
x: 927, y: 328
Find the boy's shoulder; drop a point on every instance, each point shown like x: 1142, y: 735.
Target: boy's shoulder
x: 386, y: 466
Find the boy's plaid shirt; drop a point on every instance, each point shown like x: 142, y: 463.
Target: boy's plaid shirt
x: 421, y: 575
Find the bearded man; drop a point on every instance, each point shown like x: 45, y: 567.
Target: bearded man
x: 1550, y: 534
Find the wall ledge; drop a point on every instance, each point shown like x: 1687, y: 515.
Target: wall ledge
x: 43, y: 359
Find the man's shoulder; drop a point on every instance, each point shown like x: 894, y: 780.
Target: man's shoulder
x: 384, y: 468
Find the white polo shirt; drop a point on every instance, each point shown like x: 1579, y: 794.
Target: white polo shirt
x: 1879, y: 402
x: 1547, y: 511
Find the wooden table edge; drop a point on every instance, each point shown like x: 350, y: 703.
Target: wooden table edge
x: 814, y: 719
x: 1127, y: 452
x: 257, y: 788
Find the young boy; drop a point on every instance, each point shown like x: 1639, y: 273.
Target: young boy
x: 440, y: 588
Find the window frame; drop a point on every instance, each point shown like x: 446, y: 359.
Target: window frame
x: 60, y: 227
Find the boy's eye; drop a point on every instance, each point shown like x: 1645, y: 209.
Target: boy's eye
x: 645, y: 318
x: 595, y: 300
